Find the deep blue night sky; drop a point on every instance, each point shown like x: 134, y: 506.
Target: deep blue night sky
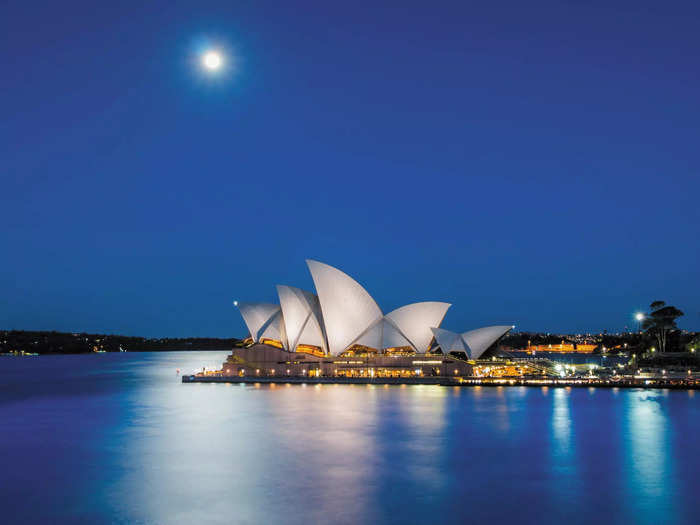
x: 534, y: 163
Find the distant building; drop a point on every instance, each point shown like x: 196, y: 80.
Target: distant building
x: 562, y: 348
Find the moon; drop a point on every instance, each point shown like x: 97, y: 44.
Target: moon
x: 212, y: 60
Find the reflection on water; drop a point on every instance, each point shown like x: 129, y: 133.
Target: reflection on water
x: 649, y: 462
x: 349, y: 422
x: 422, y: 423
x: 565, y: 475
x: 118, y: 438
x: 561, y: 422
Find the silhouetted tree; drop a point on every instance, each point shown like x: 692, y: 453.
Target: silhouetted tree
x: 661, y: 321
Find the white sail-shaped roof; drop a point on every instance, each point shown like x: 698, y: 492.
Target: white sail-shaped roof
x: 481, y: 339
x: 414, y: 321
x: 313, y: 335
x: 409, y: 325
x: 348, y: 310
x: 302, y: 317
x: 474, y: 343
x: 383, y: 334
x: 392, y: 337
x: 451, y: 341
x: 258, y: 317
x: 373, y: 337
x: 275, y: 329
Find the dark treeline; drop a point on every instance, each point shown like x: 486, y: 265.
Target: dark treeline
x: 78, y: 343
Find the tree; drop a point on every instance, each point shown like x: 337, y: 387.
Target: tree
x: 661, y: 321
x: 694, y: 344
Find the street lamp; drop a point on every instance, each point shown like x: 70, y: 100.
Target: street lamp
x: 639, y: 317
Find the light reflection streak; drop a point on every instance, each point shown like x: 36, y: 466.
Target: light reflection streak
x: 170, y: 429
x: 500, y: 413
x: 422, y: 414
x: 319, y: 434
x: 561, y: 422
x: 564, y: 461
x: 649, y: 460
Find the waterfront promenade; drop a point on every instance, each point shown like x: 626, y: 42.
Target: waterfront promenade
x: 626, y: 382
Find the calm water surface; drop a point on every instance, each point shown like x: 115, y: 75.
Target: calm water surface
x: 116, y: 438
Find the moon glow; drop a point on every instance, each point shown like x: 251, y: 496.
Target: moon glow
x: 212, y: 60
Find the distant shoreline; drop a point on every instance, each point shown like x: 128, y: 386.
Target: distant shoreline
x: 37, y: 354
x: 19, y: 342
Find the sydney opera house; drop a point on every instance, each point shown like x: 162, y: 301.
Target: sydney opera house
x: 340, y: 331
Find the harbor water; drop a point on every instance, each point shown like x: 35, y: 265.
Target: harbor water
x: 118, y: 438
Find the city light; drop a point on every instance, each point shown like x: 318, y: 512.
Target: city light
x: 639, y: 317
